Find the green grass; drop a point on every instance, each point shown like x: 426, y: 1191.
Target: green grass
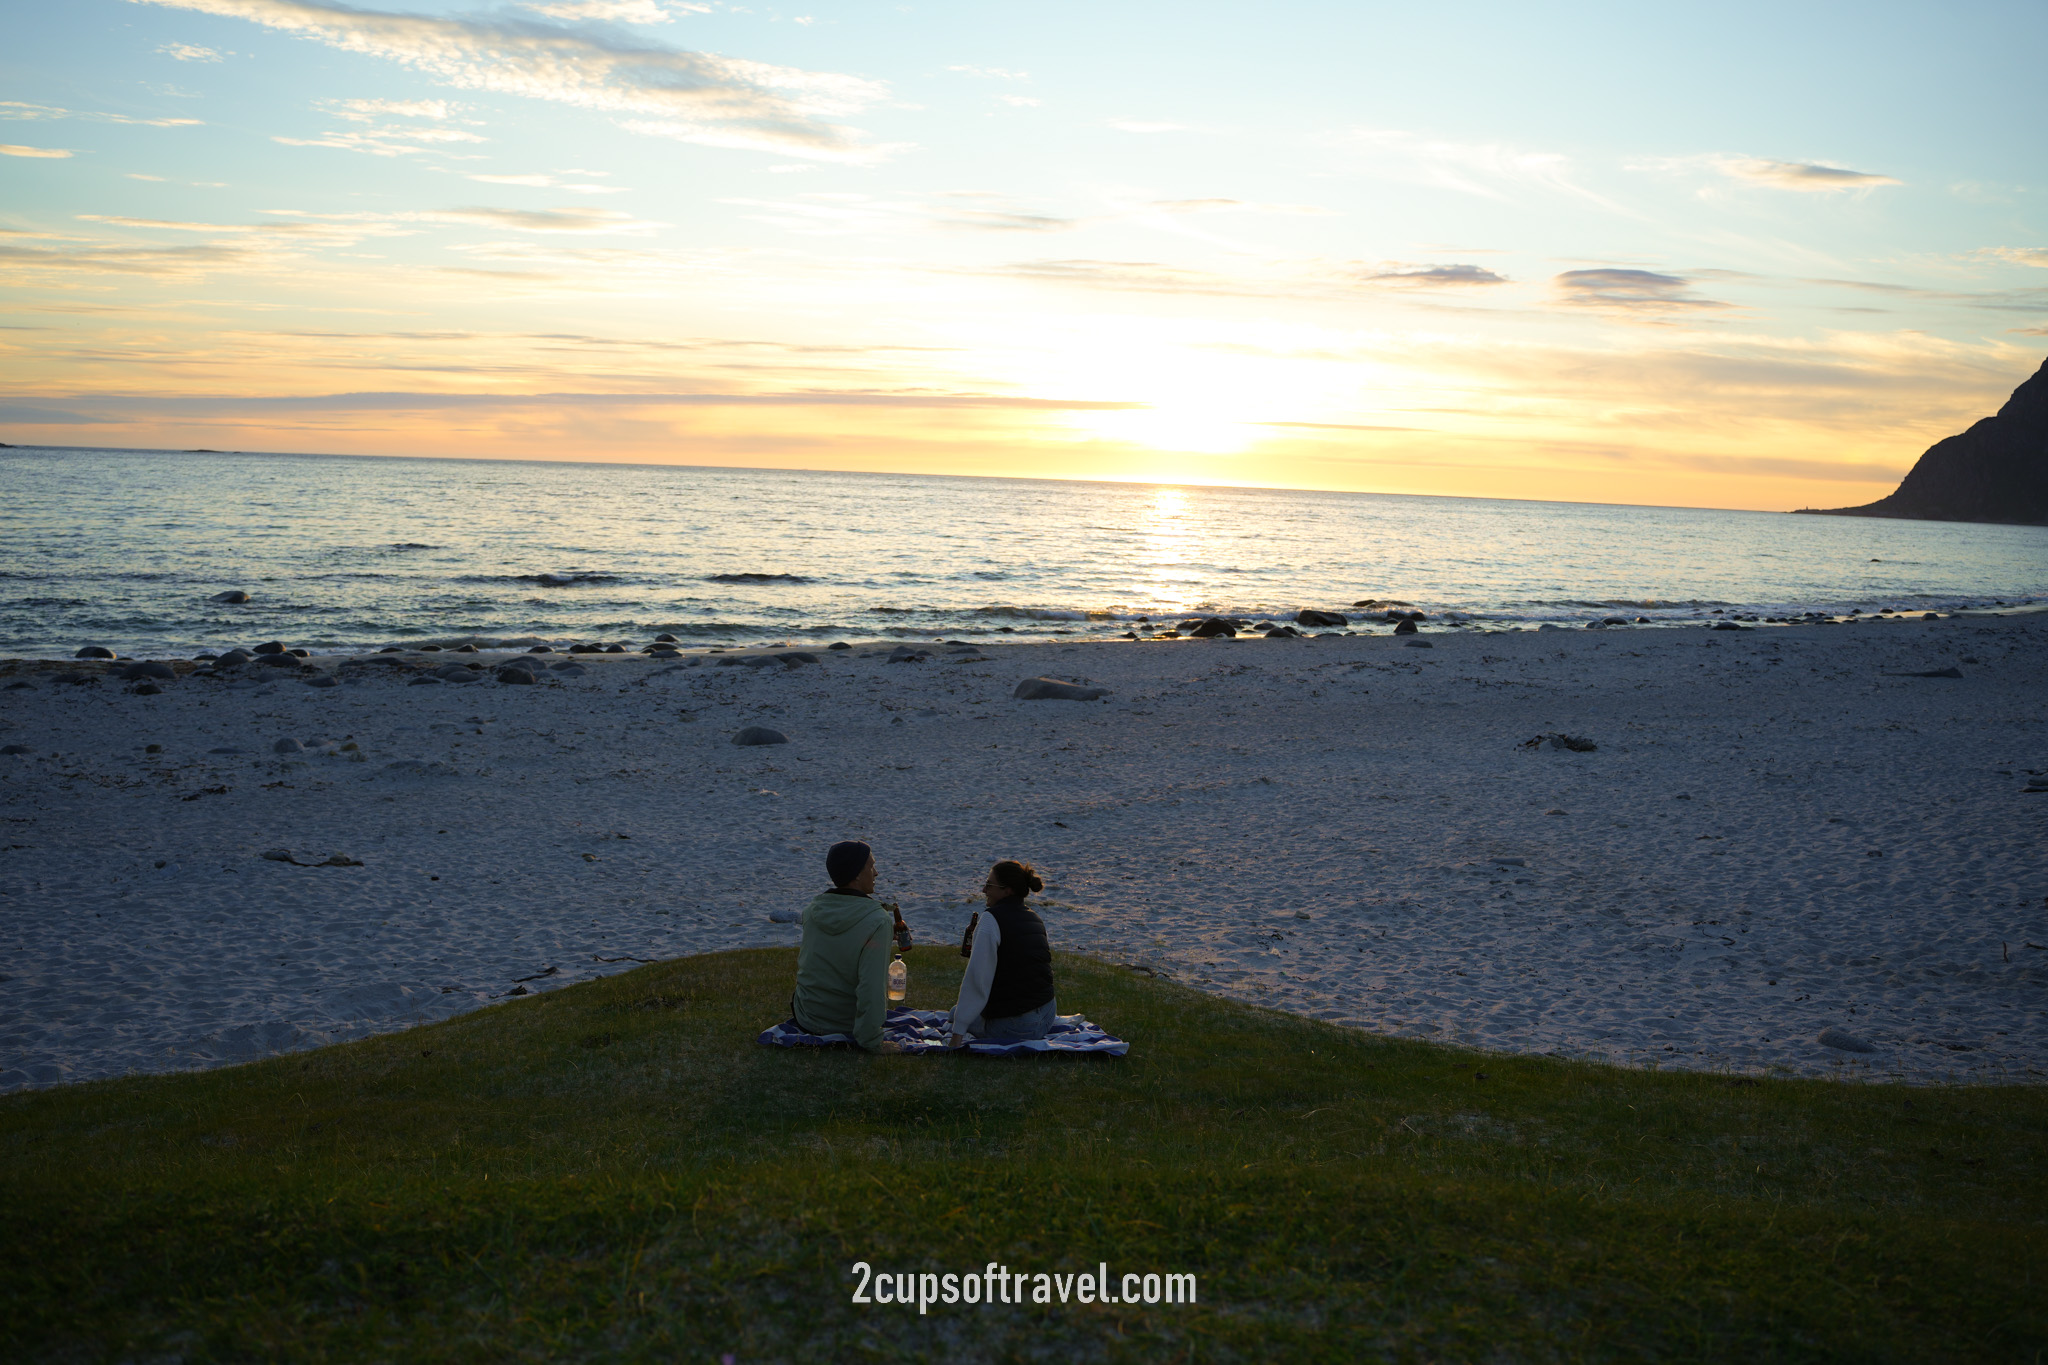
x: 616, y: 1171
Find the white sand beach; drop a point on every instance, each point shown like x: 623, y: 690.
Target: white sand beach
x: 1773, y: 837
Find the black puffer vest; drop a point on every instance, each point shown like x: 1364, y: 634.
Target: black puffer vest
x: 1023, y: 961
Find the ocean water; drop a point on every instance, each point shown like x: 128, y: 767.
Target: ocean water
x: 124, y: 547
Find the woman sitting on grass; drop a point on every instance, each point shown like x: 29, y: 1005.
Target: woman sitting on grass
x: 1007, y: 993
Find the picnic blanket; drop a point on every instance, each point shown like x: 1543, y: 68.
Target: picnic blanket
x: 925, y: 1031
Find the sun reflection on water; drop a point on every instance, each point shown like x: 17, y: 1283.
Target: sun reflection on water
x: 1171, y: 539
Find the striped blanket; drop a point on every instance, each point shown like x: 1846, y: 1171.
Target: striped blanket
x: 925, y: 1031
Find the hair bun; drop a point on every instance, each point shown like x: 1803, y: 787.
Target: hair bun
x: 1019, y: 879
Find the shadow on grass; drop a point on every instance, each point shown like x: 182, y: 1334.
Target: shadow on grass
x: 616, y: 1171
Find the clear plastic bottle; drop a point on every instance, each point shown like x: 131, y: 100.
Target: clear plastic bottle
x: 899, y: 979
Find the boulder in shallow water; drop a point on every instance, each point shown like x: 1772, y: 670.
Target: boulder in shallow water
x: 1406, y: 627
x: 279, y: 661
x: 1309, y: 617
x: 1214, y: 627
x: 1561, y: 742
x: 94, y: 652
x: 759, y: 734
x: 1052, y: 689
x: 233, y: 597
x: 666, y: 639
x: 1843, y: 1041
x: 270, y: 647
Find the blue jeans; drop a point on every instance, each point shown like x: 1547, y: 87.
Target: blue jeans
x: 1020, y: 1028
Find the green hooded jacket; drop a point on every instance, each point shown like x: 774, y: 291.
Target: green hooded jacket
x: 842, y: 967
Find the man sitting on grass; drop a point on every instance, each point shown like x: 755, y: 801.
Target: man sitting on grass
x: 842, y: 966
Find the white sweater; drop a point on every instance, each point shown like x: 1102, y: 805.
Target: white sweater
x: 981, y: 975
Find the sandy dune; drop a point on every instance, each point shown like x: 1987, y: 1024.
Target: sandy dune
x: 1772, y: 838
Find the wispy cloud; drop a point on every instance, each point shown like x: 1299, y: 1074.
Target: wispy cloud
x: 1643, y: 293
x: 1142, y: 277
x: 97, y: 259
x: 2031, y: 300
x: 1433, y: 276
x: 16, y: 149
x: 986, y: 211
x: 384, y: 141
x: 1190, y: 206
x: 537, y: 181
x: 614, y: 11
x: 2016, y: 255
x: 841, y: 213
x: 15, y: 109
x: 1807, y: 176
x: 560, y: 220
x: 1489, y: 170
x: 186, y: 52
x: 366, y: 111
x: 696, y: 97
x: 570, y: 220
x: 430, y: 132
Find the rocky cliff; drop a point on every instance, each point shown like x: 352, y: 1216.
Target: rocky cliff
x: 1995, y: 471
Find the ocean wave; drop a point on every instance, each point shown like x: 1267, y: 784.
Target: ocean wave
x: 755, y: 578
x: 569, y: 578
x: 1034, y: 613
x: 722, y: 629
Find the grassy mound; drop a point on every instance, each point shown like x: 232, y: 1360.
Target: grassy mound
x: 616, y: 1171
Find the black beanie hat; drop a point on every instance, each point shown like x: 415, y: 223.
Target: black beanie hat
x: 844, y: 860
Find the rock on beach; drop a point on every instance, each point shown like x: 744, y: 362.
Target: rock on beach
x: 1843, y: 1041
x: 1052, y: 689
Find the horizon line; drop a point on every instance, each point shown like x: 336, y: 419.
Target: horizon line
x: 901, y: 474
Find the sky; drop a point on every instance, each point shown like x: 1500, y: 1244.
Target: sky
x: 1731, y: 255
